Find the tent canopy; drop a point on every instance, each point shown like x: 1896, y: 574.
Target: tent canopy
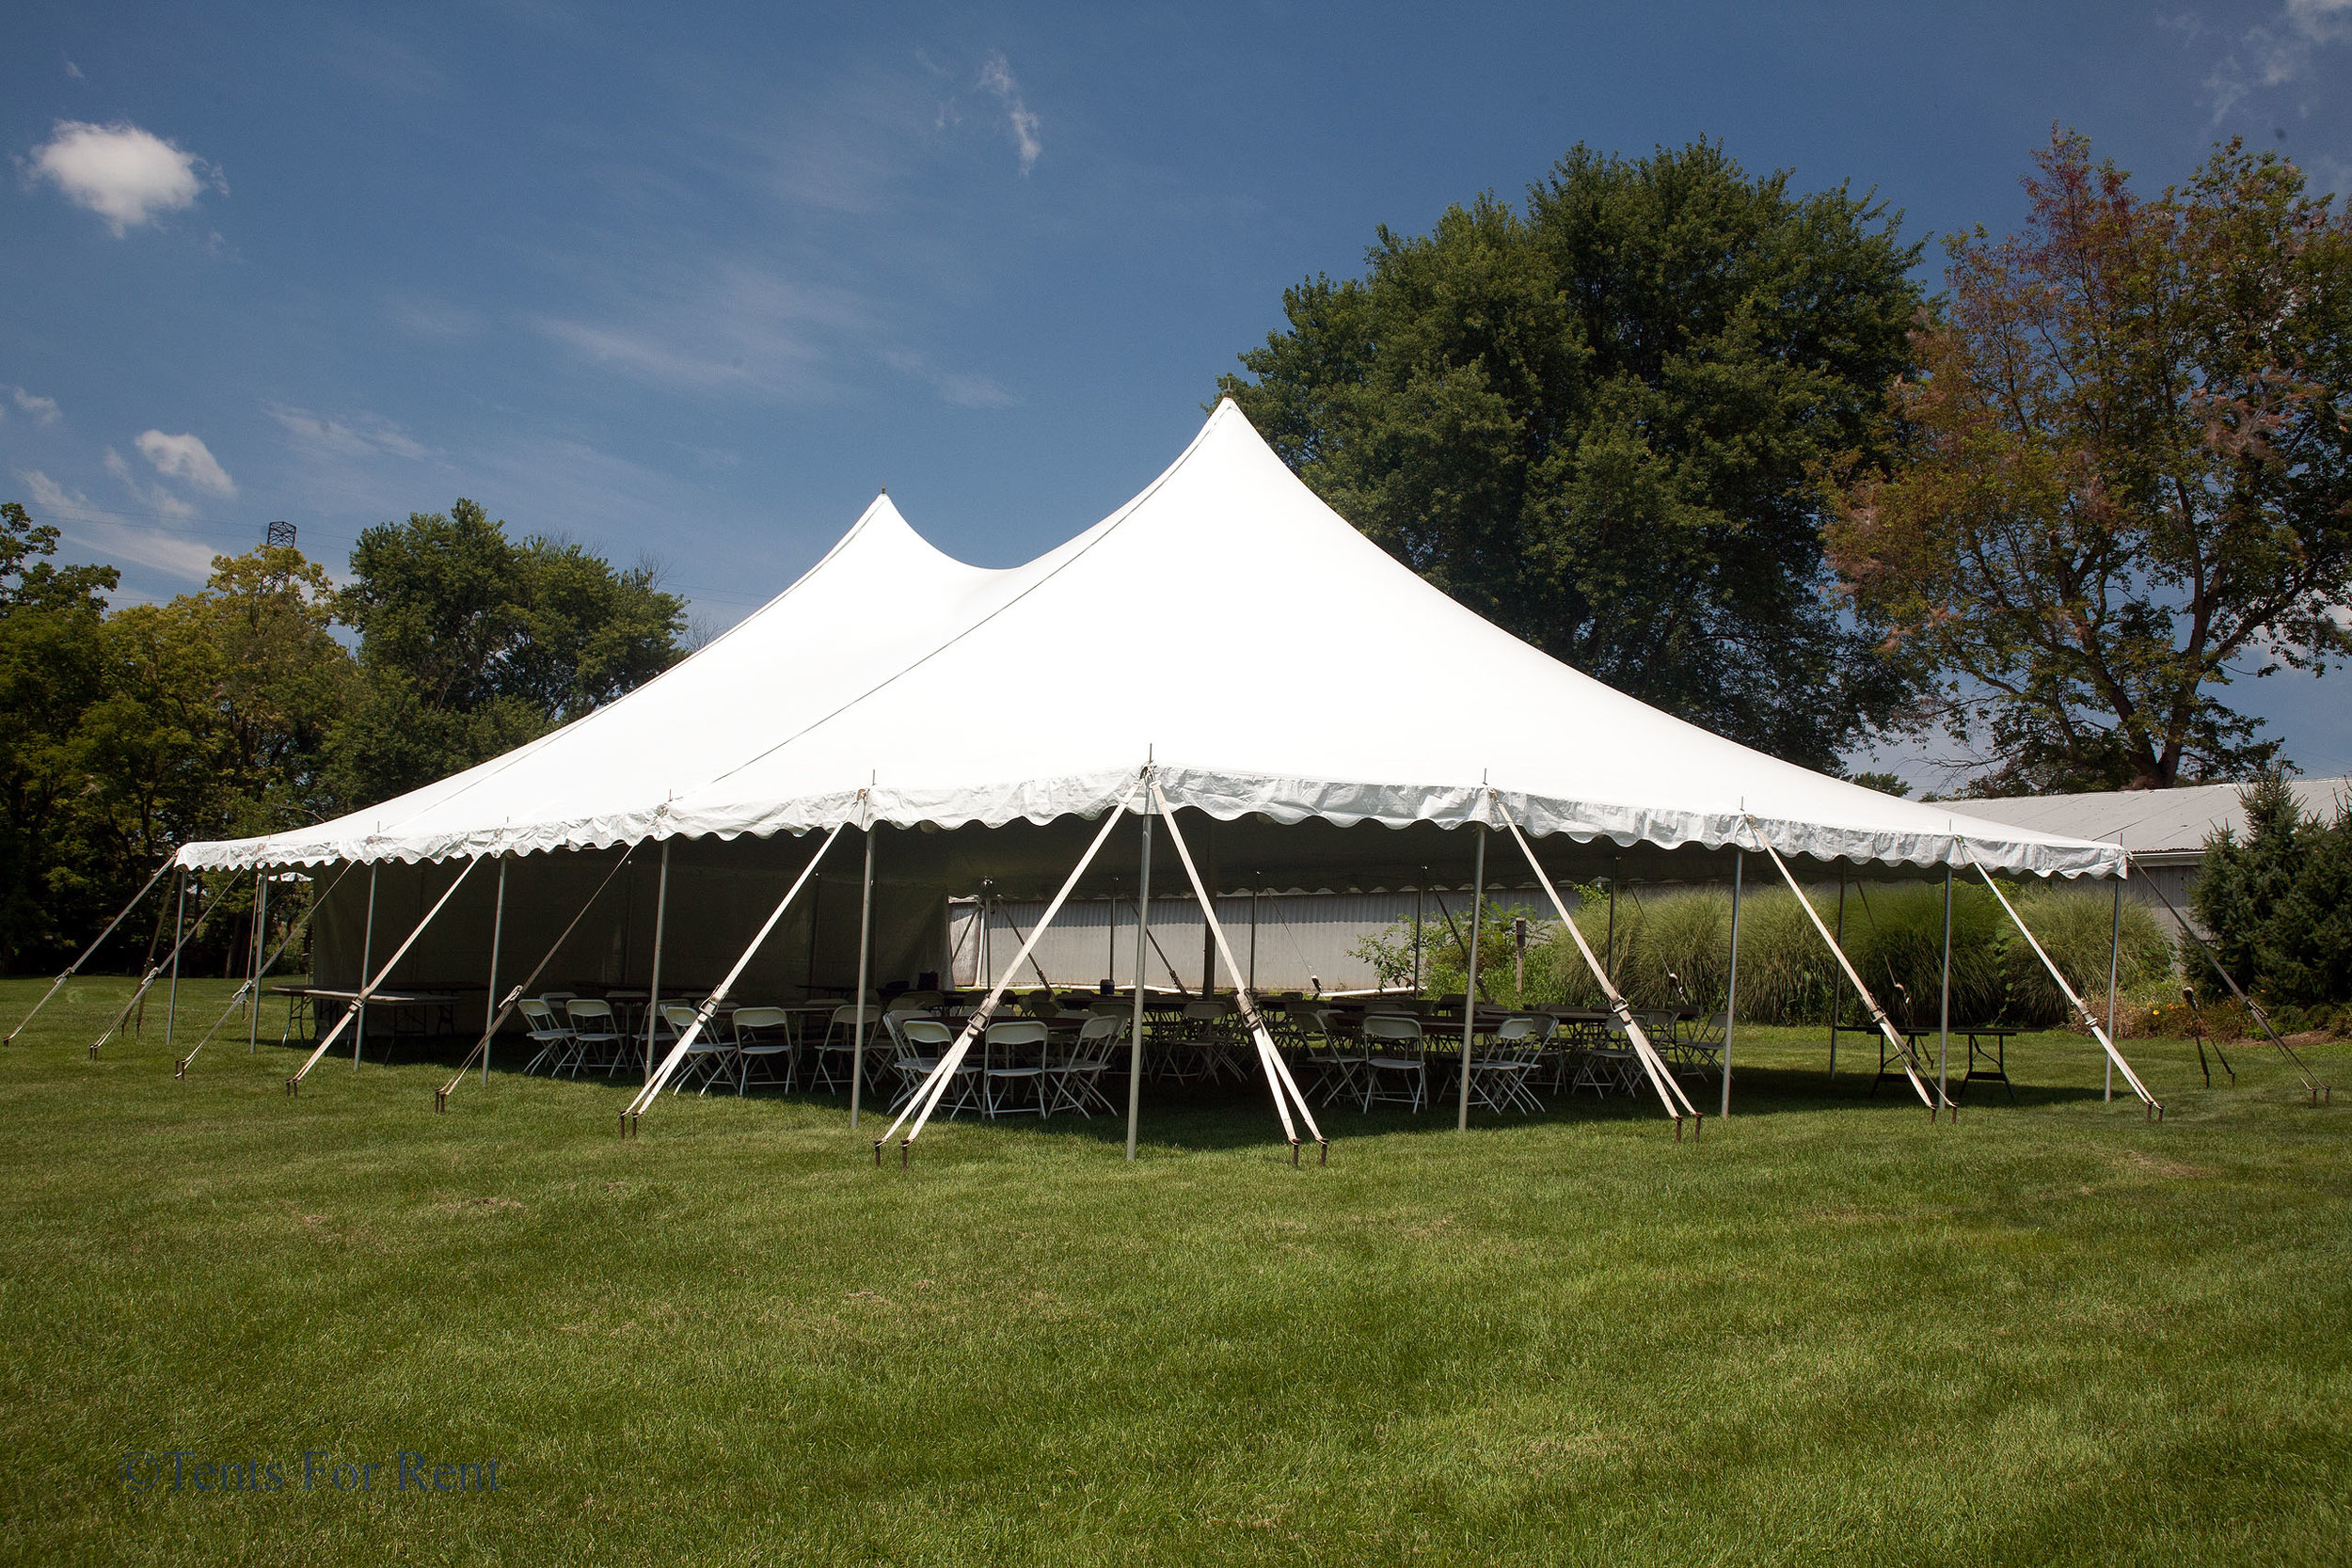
x: 1225, y: 625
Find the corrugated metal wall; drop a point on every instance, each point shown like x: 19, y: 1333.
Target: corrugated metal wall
x: 1302, y: 939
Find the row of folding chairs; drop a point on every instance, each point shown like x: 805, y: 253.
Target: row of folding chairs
x: 1016, y: 1067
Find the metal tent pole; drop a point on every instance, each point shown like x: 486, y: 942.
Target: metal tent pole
x: 1208, y: 937
x: 1135, y: 1028
x: 1417, y: 912
x: 261, y: 942
x: 366, y: 956
x: 498, y: 931
x: 2115, y: 956
x: 1254, y: 892
x: 1469, y: 992
x: 171, y: 1008
x: 369, y: 987
x: 1944, y: 1036
x: 1609, y: 944
x: 865, y: 977
x: 1836, y: 977
x: 653, y: 983
x: 1110, y: 926
x: 75, y: 968
x: 1731, y: 991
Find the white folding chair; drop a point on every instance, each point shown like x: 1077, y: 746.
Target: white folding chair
x: 840, y: 1044
x: 1075, y: 1080
x: 1499, y: 1076
x: 548, y: 1033
x: 595, y: 1034
x: 711, y: 1058
x: 922, y: 1043
x: 1012, y: 1064
x: 763, y: 1044
x: 1384, y: 1064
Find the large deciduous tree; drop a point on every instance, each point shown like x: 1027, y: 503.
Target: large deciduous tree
x: 1599, y: 422
x: 472, y: 642
x: 2133, y: 482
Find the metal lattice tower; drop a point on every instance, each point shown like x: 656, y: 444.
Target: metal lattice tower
x: 281, y: 533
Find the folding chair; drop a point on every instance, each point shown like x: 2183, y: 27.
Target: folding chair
x: 595, y: 1035
x: 763, y: 1043
x: 1014, y: 1055
x: 1075, y: 1080
x: 839, y: 1045
x: 548, y: 1033
x: 711, y: 1057
x: 1382, y: 1031
x: 1498, y: 1078
x: 921, y: 1043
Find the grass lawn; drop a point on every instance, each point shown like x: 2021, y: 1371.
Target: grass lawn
x: 2053, y: 1333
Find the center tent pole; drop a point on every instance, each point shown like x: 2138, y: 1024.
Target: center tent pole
x: 864, y: 966
x: 1469, y: 993
x: 653, y: 984
x: 1135, y: 1026
x: 2115, y: 958
x: 366, y: 956
x: 1731, y: 991
x: 171, y: 1008
x: 1943, y: 1035
x: 498, y: 931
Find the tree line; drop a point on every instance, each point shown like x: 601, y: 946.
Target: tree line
x: 272, y: 698
x: 1713, y: 442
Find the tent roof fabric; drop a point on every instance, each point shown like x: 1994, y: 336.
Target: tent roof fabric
x: 854, y: 696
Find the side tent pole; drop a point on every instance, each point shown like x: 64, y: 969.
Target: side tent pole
x: 927, y: 1096
x: 1943, y: 1018
x: 1469, y: 992
x: 1670, y: 1096
x: 1913, y: 1069
x: 498, y: 934
x: 502, y: 1009
x: 171, y: 1006
x: 367, y: 959
x: 261, y: 943
x: 1836, y: 981
x: 1731, y: 990
x: 709, y: 1009
x: 2115, y: 962
x: 293, y: 935
x: 2156, y: 1108
x: 865, y: 977
x: 359, y: 1011
x: 75, y: 968
x: 653, y: 983
x: 1135, y: 1026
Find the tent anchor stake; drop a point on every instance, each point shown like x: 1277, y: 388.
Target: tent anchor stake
x: 877, y: 1143
x: 1324, y: 1158
x: 1294, y: 1154
x: 904, y: 1144
x: 441, y: 1100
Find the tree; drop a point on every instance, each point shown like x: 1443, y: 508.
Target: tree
x: 2279, y: 900
x: 471, y: 644
x: 52, y: 671
x: 2133, y: 478
x: 1598, y: 423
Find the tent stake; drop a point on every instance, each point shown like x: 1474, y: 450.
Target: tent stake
x: 1135, y: 1026
x: 369, y: 987
x: 75, y: 968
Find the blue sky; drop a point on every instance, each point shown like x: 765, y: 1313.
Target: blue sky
x: 691, y: 282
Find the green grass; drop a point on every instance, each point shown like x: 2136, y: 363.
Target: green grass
x: 2053, y: 1333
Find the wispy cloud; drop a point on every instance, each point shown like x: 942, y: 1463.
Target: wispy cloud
x: 735, y: 325
x: 125, y: 175
x: 154, y: 498
x: 2279, y: 52
x: 964, y: 388
x: 996, y: 80
x: 356, y: 435
x: 42, y: 411
x: 91, y: 529
x: 185, y: 458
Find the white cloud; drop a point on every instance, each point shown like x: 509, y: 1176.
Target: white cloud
x: 965, y: 389
x: 996, y: 78
x: 359, y: 435
x: 185, y: 458
x: 44, y: 410
x: 724, y: 324
x: 99, y: 535
x: 124, y: 174
x: 2279, y: 52
x: 153, y: 496
x: 73, y: 70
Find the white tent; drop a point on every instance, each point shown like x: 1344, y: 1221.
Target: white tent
x: 1226, y: 625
